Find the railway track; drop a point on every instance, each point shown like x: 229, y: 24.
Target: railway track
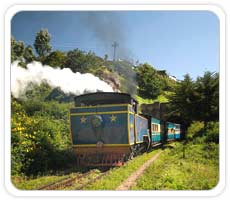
x: 82, y: 186
x: 63, y: 183
x: 71, y: 181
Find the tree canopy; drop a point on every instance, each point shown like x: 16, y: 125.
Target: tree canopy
x: 28, y: 54
x: 17, y: 49
x: 42, y: 43
x: 55, y: 59
x: 149, y: 83
x: 197, y: 100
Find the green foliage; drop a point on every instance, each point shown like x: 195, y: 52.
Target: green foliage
x: 40, y: 137
x: 106, y: 57
x: 197, y: 133
x: 196, y: 100
x: 207, y: 103
x: 162, y: 98
x: 17, y: 49
x: 143, y: 100
x: 42, y: 43
x: 198, y: 170
x: 27, y: 183
x: 80, y: 61
x: 182, y: 100
x: 58, y: 95
x: 149, y: 82
x: 28, y: 54
x: 55, y: 59
x: 12, y: 44
x: 37, y: 92
x: 75, y: 60
x: 212, y: 132
x: 195, y: 130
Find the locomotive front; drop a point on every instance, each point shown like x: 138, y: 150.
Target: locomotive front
x: 102, y: 128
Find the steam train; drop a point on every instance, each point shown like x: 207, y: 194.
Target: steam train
x: 108, y: 129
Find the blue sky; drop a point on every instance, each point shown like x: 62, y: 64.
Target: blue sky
x: 179, y: 42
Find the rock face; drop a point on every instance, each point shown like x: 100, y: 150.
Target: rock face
x: 112, y: 79
x: 157, y: 110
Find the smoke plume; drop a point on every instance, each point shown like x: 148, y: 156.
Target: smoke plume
x: 69, y: 82
x: 108, y: 28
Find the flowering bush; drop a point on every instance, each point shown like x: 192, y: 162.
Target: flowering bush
x: 38, y: 143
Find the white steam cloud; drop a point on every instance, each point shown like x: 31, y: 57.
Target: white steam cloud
x: 68, y: 81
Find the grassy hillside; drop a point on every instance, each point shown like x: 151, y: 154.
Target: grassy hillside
x: 190, y: 167
x: 162, y: 98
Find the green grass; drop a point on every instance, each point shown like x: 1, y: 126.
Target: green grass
x: 116, y: 175
x: 143, y: 100
x: 162, y: 98
x: 198, y: 170
x: 32, y: 184
x: 119, y: 174
x: 179, y: 167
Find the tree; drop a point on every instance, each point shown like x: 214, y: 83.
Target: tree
x: 106, y: 57
x: 207, y: 105
x: 55, y: 59
x: 149, y: 83
x: 75, y: 60
x: 17, y: 49
x: 13, y: 56
x: 196, y: 101
x: 183, y: 100
x: 42, y: 43
x: 28, y: 54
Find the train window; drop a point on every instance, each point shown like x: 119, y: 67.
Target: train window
x: 155, y: 127
x: 177, y: 126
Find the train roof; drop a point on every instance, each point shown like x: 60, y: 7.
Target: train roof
x: 100, y: 98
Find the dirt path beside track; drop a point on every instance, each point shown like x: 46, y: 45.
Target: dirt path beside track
x: 131, y: 180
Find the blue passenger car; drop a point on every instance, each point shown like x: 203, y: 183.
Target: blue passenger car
x: 155, y: 130
x: 177, y: 131
x: 141, y: 127
x: 170, y: 131
x: 173, y: 131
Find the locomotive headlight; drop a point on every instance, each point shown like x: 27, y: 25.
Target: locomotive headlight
x: 96, y: 121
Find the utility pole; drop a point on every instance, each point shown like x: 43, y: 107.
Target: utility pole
x: 114, y: 45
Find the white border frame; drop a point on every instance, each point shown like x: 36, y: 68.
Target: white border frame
x: 222, y: 172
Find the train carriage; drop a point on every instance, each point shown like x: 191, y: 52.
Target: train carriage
x: 174, y: 131
x: 178, y: 129
x: 170, y: 131
x: 155, y: 130
x: 107, y: 129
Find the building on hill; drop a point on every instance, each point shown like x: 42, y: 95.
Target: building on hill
x: 172, y: 78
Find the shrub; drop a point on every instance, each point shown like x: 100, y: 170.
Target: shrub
x: 39, y: 143
x: 195, y: 129
x: 199, y: 134
x: 212, y: 132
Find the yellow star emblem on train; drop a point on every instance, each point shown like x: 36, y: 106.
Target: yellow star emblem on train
x: 83, y: 120
x: 113, y: 118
